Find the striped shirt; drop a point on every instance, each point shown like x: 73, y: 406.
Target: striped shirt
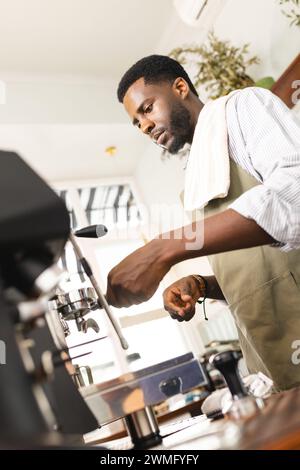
x: 264, y: 139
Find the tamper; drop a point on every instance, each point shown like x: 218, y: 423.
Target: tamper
x: 243, y: 405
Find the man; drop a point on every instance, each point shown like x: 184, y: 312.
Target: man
x: 251, y: 232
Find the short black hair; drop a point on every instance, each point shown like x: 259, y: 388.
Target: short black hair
x: 154, y: 69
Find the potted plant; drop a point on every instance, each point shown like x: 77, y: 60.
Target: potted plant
x: 293, y: 12
x: 219, y: 66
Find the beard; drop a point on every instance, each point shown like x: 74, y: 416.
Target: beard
x: 180, y: 128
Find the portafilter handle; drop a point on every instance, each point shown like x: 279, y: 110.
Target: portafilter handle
x: 101, y: 298
x: 227, y: 363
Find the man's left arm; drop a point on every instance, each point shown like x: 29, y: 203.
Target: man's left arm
x: 137, y: 277
x: 266, y: 214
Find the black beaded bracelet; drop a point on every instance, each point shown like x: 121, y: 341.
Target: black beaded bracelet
x: 196, y: 276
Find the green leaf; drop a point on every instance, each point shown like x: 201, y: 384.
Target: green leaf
x: 266, y: 82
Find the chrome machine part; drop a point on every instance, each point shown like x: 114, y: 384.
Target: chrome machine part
x: 137, y: 390
x: 58, y: 327
x: 78, y: 377
x: 143, y: 428
x: 101, y: 298
x: 74, y: 305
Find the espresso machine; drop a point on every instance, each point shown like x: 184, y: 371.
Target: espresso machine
x: 41, y: 406
x: 131, y: 396
x: 37, y: 394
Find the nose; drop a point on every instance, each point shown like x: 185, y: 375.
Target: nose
x: 147, y: 126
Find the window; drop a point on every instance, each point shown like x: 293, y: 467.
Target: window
x: 117, y: 206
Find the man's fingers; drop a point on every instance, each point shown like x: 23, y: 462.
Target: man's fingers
x: 172, y: 298
x: 179, y: 310
x: 187, y: 315
x: 180, y: 300
x: 176, y: 317
x: 187, y: 308
x: 186, y: 298
x: 183, y: 315
x: 180, y: 307
x: 173, y: 309
x: 173, y: 313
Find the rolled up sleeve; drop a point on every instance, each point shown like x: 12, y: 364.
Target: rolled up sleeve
x: 275, y: 206
x: 272, y: 140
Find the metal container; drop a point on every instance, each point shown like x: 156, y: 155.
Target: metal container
x: 134, y: 391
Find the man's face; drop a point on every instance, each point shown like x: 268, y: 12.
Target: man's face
x: 159, y: 111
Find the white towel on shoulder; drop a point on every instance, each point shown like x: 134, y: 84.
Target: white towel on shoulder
x: 207, y: 174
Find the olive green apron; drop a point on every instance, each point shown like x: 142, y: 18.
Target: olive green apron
x: 262, y: 288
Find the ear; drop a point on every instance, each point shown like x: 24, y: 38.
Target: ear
x: 181, y: 87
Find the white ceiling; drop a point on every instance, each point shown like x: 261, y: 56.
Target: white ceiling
x: 89, y: 37
x: 75, y: 152
x: 61, y: 61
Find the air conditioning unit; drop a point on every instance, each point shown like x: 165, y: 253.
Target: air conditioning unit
x: 193, y: 12
x: 190, y: 10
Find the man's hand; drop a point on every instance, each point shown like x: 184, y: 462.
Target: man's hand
x: 180, y: 298
x: 135, y: 279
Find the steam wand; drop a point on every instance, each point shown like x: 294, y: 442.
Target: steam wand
x: 101, y: 299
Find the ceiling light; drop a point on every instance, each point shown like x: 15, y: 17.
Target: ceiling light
x: 111, y: 150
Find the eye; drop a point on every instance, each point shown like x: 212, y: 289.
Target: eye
x: 148, y: 108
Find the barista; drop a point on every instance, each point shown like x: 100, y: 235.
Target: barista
x: 251, y: 233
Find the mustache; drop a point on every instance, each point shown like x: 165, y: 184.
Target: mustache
x: 157, y: 132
